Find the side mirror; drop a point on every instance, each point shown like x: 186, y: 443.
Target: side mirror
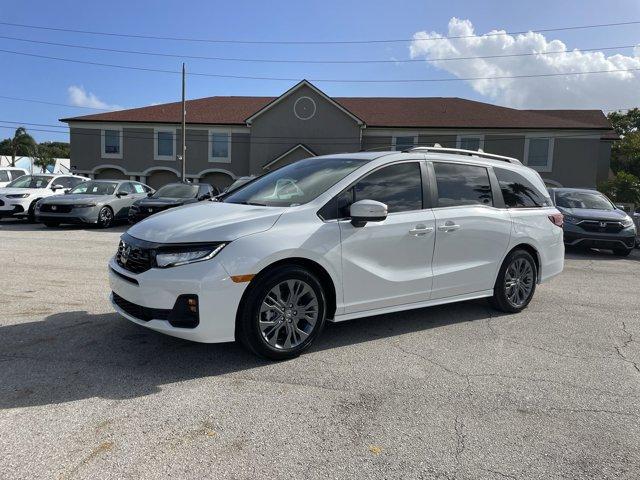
x: 149, y: 194
x: 67, y: 191
x: 122, y: 194
x: 620, y: 207
x: 56, y: 187
x: 364, y: 211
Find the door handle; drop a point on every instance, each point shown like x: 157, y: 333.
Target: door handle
x: 420, y: 230
x: 449, y: 227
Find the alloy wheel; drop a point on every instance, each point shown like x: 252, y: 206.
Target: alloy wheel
x: 288, y: 314
x: 105, y: 217
x: 519, y: 281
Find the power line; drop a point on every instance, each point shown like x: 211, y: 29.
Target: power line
x: 50, y: 103
x: 322, y: 80
x: 312, y: 42
x: 321, y: 62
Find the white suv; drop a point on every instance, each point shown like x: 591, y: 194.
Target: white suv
x: 340, y: 237
x: 9, y: 174
x: 19, y: 198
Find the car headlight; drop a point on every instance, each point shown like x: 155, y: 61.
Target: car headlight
x: 571, y: 220
x: 627, y: 221
x: 84, y: 205
x: 183, y: 256
x: 18, y: 195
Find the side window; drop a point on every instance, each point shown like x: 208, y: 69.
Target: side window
x: 138, y: 188
x: 460, y: 184
x: 398, y: 186
x: 73, y: 181
x: 518, y: 192
x: 64, y: 182
x: 17, y: 174
x: 126, y: 187
x: 4, y: 176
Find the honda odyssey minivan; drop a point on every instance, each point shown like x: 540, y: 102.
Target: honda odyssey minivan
x: 339, y: 237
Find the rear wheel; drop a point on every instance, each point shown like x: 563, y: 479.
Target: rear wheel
x: 31, y: 213
x: 51, y: 224
x: 282, y: 314
x: 516, y: 282
x: 622, y: 252
x: 105, y: 217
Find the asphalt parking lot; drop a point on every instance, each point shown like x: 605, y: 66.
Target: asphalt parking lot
x: 452, y: 392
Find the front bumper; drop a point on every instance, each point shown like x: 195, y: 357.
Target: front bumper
x: 18, y: 207
x: 76, y: 216
x: 158, y: 290
x: 624, y: 239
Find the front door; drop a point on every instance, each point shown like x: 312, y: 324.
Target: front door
x: 388, y: 263
x: 472, y: 236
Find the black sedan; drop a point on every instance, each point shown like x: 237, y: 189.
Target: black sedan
x: 170, y: 196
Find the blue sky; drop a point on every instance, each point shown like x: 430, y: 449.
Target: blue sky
x: 50, y: 80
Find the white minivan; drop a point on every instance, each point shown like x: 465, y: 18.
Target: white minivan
x: 338, y: 237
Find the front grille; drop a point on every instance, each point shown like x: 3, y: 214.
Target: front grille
x: 56, y: 208
x: 133, y: 258
x: 603, y: 226
x: 138, y: 311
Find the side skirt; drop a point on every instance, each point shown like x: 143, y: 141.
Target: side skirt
x: 412, y: 306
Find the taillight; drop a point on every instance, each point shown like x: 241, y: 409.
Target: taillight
x: 557, y: 219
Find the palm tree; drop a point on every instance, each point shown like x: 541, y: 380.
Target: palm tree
x: 21, y: 144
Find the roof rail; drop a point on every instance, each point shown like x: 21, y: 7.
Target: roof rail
x: 460, y: 151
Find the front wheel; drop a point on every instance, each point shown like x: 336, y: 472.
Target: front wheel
x: 516, y: 282
x: 105, y: 217
x: 282, y: 314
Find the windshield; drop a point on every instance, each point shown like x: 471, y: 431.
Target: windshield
x: 296, y: 183
x: 176, y: 190
x: 30, y: 181
x: 590, y: 200
x: 95, y: 188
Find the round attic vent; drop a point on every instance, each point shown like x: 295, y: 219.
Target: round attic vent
x: 304, y: 108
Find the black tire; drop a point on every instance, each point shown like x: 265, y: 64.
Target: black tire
x: 51, y: 224
x: 500, y: 300
x: 622, y: 252
x: 105, y: 217
x: 248, y: 330
x: 31, y: 213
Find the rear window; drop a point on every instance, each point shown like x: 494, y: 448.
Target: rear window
x: 4, y: 176
x: 518, y: 192
x: 460, y: 184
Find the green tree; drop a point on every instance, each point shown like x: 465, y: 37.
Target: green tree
x: 42, y: 157
x: 20, y: 144
x: 624, y: 187
x: 625, y: 153
x: 57, y: 149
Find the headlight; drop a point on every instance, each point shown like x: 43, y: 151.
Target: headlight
x: 84, y: 205
x: 183, y: 256
x: 572, y: 220
x: 627, y: 221
x: 18, y: 195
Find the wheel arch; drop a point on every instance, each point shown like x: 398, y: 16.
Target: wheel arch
x: 533, y: 251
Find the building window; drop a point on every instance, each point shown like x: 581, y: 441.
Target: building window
x: 470, y: 142
x: 112, y: 143
x: 164, y: 143
x: 219, y: 146
x: 538, y: 153
x: 403, y: 142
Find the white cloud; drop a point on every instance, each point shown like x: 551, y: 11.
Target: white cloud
x: 79, y: 97
x: 601, y: 90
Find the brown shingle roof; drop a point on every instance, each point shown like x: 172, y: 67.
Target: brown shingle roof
x: 430, y: 112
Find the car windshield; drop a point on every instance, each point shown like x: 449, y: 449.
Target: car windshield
x: 587, y: 200
x: 95, y: 188
x: 176, y: 190
x: 30, y: 181
x: 296, y: 183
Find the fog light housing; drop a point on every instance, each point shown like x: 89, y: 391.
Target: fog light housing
x: 185, y: 312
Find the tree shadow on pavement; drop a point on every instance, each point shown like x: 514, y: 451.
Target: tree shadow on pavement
x: 75, y: 355
x: 573, y: 253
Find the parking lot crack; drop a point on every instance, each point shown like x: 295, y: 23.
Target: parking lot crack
x: 619, y: 348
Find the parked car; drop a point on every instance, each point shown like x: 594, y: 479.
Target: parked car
x: 19, y: 198
x: 97, y: 202
x: 8, y: 174
x: 592, y: 220
x: 340, y: 237
x: 636, y: 221
x: 170, y: 196
x: 238, y: 182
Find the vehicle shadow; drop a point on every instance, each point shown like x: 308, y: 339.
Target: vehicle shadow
x: 24, y: 226
x: 75, y: 355
x: 574, y: 253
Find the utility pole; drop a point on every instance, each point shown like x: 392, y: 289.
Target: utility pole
x: 184, y: 128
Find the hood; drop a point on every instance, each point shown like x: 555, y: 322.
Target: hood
x: 161, y: 202
x: 77, y: 198
x: 31, y: 191
x: 590, y: 214
x: 206, y: 222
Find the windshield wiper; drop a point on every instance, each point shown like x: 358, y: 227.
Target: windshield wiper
x: 251, y: 203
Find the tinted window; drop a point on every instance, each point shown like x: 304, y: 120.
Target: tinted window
x: 4, y: 176
x: 65, y: 182
x: 518, y: 192
x: 16, y: 174
x: 95, y: 188
x: 398, y: 186
x: 177, y: 190
x: 588, y: 200
x: 126, y: 187
x: 462, y: 185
